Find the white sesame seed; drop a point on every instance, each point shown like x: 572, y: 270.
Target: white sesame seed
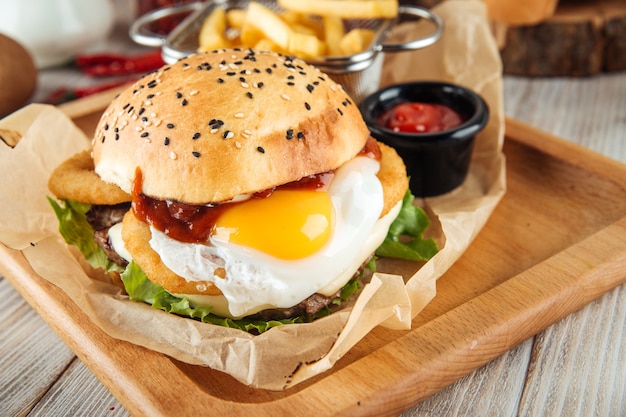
x: 223, y: 67
x: 255, y: 84
x: 232, y: 66
x: 121, y: 112
x: 139, y: 128
x: 173, y: 155
x: 148, y: 140
x: 153, y: 114
x: 148, y: 123
x: 285, y: 96
x: 239, y: 115
x: 213, y: 130
x: 229, y: 135
x: 157, y: 122
x: 237, y: 145
x: 148, y: 103
x: 193, y: 92
x: 333, y: 88
x: 248, y: 72
x: 134, y: 117
x: 245, y: 85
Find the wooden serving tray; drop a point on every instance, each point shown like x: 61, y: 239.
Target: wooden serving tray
x: 556, y: 241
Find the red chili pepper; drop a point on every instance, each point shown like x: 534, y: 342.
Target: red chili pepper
x: 65, y: 94
x: 103, y: 65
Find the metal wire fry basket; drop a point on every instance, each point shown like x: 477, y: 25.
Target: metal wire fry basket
x: 359, y: 74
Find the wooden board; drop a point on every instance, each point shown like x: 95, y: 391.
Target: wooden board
x: 556, y: 241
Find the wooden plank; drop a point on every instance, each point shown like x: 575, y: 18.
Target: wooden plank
x: 500, y: 284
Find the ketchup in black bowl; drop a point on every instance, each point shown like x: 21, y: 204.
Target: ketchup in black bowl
x: 432, y: 126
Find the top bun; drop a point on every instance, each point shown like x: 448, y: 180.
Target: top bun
x: 214, y: 126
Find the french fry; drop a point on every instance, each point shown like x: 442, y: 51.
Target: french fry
x: 355, y: 41
x: 305, y: 46
x: 267, y: 22
x: 213, y: 30
x: 235, y: 18
x: 346, y: 9
x: 333, y: 32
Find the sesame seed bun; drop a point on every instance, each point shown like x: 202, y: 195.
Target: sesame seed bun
x: 214, y: 126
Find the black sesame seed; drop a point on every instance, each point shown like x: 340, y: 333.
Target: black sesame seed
x: 256, y: 70
x: 348, y: 101
x: 117, y: 129
x: 300, y: 135
x: 144, y: 134
x: 260, y: 85
x: 291, y: 83
x: 179, y: 95
x: 166, y: 141
x: 170, y: 126
x: 238, y: 62
x: 249, y: 94
x: 150, y: 96
x: 196, y: 154
x: 117, y: 136
x: 220, y: 80
x: 260, y: 149
x: 307, y: 105
x: 106, y: 126
x: 184, y: 102
x: 225, y: 134
x: 196, y: 136
x: 316, y: 82
x: 268, y: 70
x: 231, y: 73
x: 223, y: 62
x: 340, y: 112
x: 291, y: 77
x: 310, y: 88
x: 289, y: 134
x: 125, y: 106
x: 130, y: 109
x: 242, y: 79
x: 345, y: 103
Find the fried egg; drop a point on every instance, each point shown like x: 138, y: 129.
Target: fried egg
x: 277, y: 251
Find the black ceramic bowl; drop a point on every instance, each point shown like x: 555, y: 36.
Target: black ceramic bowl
x: 436, y: 162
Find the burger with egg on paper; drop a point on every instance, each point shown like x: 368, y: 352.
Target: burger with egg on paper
x: 239, y: 188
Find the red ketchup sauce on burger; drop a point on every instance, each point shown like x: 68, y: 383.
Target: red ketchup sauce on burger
x: 193, y: 223
x: 413, y: 117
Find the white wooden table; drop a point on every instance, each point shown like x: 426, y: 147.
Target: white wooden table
x: 577, y: 367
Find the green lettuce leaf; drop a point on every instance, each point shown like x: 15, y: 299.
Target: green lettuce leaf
x: 140, y: 288
x: 405, y: 238
x: 76, y: 231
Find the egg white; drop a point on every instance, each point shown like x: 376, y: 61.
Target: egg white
x: 256, y: 281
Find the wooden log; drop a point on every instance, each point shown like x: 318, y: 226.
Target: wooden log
x: 582, y: 38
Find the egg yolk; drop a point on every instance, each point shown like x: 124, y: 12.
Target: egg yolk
x: 289, y: 224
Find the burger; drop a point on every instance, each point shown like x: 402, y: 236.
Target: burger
x: 236, y: 187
